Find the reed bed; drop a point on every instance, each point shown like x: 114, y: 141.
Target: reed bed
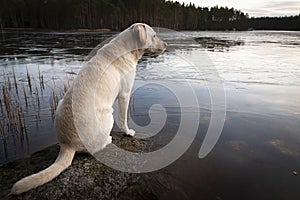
x: 21, y: 100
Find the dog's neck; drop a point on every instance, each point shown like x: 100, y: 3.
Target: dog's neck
x: 137, y: 54
x: 125, y: 47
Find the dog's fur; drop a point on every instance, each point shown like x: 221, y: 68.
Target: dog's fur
x: 107, y: 77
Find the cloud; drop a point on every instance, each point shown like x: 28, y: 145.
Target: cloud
x: 283, y: 8
x: 283, y: 5
x: 255, y: 8
x: 273, y: 8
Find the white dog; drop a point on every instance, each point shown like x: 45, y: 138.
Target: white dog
x: 107, y: 77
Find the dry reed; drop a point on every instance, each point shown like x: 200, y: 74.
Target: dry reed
x: 1, y: 107
x: 15, y: 81
x: 28, y: 79
x: 25, y: 94
x: 14, y: 105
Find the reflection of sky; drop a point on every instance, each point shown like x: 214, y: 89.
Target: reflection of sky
x: 255, y: 7
x: 260, y: 76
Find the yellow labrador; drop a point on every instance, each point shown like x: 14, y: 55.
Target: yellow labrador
x: 107, y: 77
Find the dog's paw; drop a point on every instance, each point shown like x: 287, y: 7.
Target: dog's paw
x: 129, y: 132
x: 108, y: 141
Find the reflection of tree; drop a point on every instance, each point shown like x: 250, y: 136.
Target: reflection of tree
x: 118, y: 14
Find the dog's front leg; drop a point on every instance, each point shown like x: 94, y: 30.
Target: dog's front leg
x: 123, y: 101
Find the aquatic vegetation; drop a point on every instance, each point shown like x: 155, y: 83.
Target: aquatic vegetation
x: 20, y: 101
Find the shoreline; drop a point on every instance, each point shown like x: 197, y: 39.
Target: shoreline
x: 108, y: 30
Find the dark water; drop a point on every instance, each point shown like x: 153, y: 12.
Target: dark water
x: 258, y: 153
x: 255, y: 157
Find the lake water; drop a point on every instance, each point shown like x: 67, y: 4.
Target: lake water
x: 258, y: 153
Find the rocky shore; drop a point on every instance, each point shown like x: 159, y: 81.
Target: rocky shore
x: 86, y: 178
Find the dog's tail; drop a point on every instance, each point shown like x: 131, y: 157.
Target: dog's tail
x: 63, y: 161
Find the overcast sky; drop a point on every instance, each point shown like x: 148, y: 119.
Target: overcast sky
x: 255, y: 8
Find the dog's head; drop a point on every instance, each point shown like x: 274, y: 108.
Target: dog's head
x: 149, y: 43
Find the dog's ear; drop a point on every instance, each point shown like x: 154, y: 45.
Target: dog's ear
x: 141, y: 31
x: 137, y: 26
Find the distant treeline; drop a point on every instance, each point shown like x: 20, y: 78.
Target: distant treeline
x: 119, y: 14
x: 275, y: 23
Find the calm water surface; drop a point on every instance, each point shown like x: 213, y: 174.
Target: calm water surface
x: 258, y: 152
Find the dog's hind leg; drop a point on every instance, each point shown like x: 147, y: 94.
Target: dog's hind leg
x: 106, y: 122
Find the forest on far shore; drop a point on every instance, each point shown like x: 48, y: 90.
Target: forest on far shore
x: 119, y: 14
